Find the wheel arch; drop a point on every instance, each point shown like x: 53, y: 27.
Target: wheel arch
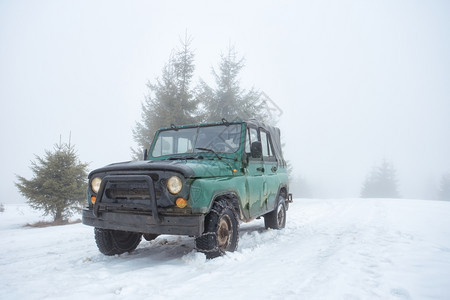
x: 283, y: 191
x: 229, y: 196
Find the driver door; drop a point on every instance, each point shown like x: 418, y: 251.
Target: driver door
x: 254, y: 175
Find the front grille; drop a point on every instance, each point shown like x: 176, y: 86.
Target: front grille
x: 133, y: 194
x: 119, y: 194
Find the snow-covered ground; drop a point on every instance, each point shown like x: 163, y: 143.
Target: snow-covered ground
x: 330, y: 249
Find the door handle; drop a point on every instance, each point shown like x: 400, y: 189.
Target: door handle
x: 260, y: 169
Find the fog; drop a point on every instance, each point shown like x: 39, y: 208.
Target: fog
x: 357, y: 81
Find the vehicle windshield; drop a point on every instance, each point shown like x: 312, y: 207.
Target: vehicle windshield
x: 219, y: 139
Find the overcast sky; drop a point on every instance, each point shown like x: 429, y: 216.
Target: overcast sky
x: 358, y: 81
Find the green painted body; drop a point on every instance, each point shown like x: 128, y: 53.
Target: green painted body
x: 212, y: 161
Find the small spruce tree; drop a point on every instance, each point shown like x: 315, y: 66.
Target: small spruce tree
x: 381, y: 182
x: 58, y: 186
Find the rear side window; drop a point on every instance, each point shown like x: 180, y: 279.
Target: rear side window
x: 252, y: 136
x: 266, y: 144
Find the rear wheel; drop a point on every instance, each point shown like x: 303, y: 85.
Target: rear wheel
x: 112, y: 242
x: 221, y: 230
x: 276, y: 219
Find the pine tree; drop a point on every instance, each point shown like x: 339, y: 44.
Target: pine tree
x: 444, y: 191
x: 381, y: 182
x: 58, y: 186
x: 171, y: 100
x: 228, y: 100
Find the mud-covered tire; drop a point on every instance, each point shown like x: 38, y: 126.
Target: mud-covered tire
x: 112, y: 242
x: 276, y: 219
x: 221, y: 230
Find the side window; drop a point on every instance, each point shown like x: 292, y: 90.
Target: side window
x: 247, y: 141
x: 266, y: 144
x: 269, y: 145
x: 252, y: 136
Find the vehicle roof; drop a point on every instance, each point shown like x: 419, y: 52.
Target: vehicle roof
x: 250, y: 121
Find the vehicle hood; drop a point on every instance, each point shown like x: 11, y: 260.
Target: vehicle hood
x: 189, y: 168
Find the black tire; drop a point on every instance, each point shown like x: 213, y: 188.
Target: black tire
x: 221, y: 230
x: 112, y: 242
x: 150, y: 236
x: 276, y: 219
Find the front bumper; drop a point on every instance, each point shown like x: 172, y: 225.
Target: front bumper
x: 191, y: 225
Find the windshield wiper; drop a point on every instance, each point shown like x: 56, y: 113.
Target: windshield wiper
x: 184, y: 157
x: 209, y: 150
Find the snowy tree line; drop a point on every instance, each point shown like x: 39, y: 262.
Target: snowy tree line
x: 59, y: 179
x: 59, y: 184
x: 380, y: 182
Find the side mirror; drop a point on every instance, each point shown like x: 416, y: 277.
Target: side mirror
x: 145, y: 154
x: 256, y: 150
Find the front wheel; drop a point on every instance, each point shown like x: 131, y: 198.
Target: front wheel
x: 276, y: 219
x: 221, y: 230
x: 112, y: 242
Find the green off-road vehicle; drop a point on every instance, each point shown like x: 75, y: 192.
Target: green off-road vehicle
x: 196, y: 180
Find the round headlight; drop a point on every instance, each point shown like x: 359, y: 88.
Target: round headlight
x: 95, y: 184
x: 174, y: 185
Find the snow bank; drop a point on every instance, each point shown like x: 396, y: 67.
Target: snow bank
x: 330, y: 249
